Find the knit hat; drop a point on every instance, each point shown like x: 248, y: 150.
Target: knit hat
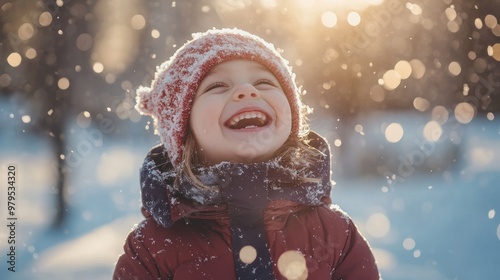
x: 169, y: 99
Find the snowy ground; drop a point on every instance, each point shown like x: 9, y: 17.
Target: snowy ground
x: 441, y: 226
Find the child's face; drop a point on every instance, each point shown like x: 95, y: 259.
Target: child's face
x: 239, y: 114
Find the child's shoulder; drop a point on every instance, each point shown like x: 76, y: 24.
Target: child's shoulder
x: 183, y: 230
x: 149, y: 229
x: 333, y: 216
x: 337, y: 212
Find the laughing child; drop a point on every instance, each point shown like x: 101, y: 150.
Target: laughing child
x: 239, y: 187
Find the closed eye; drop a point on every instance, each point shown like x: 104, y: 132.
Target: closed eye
x: 214, y: 86
x: 265, y: 82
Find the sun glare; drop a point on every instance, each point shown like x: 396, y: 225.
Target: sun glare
x: 330, y: 12
x: 356, y: 5
x: 352, y: 4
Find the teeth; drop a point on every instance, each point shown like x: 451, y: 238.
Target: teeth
x: 248, y: 115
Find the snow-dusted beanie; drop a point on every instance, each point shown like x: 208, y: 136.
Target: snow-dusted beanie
x: 169, y: 99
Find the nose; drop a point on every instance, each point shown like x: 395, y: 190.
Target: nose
x: 245, y: 92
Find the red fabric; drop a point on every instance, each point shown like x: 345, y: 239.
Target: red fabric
x: 199, y: 247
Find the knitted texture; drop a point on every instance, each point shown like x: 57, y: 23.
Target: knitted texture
x: 169, y: 99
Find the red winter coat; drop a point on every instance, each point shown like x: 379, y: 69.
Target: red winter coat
x: 294, y: 230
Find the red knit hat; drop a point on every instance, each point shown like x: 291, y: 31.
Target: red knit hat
x: 169, y: 99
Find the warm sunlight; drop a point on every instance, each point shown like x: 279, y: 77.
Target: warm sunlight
x: 341, y: 4
x: 307, y: 12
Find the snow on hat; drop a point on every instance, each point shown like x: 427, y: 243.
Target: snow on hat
x: 169, y: 99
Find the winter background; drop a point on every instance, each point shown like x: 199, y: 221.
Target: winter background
x: 406, y: 92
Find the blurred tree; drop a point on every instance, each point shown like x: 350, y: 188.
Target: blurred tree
x: 42, y: 35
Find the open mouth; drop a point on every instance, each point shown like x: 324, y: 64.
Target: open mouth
x: 250, y: 119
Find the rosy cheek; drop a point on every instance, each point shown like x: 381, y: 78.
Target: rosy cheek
x: 284, y: 114
x: 207, y: 114
x: 196, y: 119
x: 210, y: 118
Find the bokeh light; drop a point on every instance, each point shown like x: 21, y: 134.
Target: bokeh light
x: 5, y: 80
x: 14, y: 59
x: 421, y: 104
x: 478, y: 23
x: 432, y: 131
x: 491, y: 214
x: 415, y: 9
x: 454, y: 68
x: 409, y: 243
x: 206, y: 9
x: 63, y: 83
x: 353, y: 18
x: 26, y: 31
x: 480, y: 65
x: 418, y: 68
x: 394, y: 132
x: 450, y: 13
x: 98, y: 67
x: 417, y: 253
x: 329, y: 19
x: 337, y: 143
x: 45, y: 19
x: 84, y: 42
x: 377, y: 93
x: 292, y: 265
x: 138, y: 22
x: 490, y: 116
x: 495, y: 51
x: 30, y: 53
x: 440, y: 114
x: 26, y: 119
x: 498, y: 232
x: 84, y: 119
x: 391, y: 79
x: 378, y: 225
x: 386, y: 260
x: 464, y: 112
x: 490, y: 21
x: 155, y: 33
x: 359, y: 129
x: 481, y: 157
x: 403, y: 68
x: 248, y: 254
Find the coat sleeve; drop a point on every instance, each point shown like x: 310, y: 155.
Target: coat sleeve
x: 137, y: 262
x: 357, y: 261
